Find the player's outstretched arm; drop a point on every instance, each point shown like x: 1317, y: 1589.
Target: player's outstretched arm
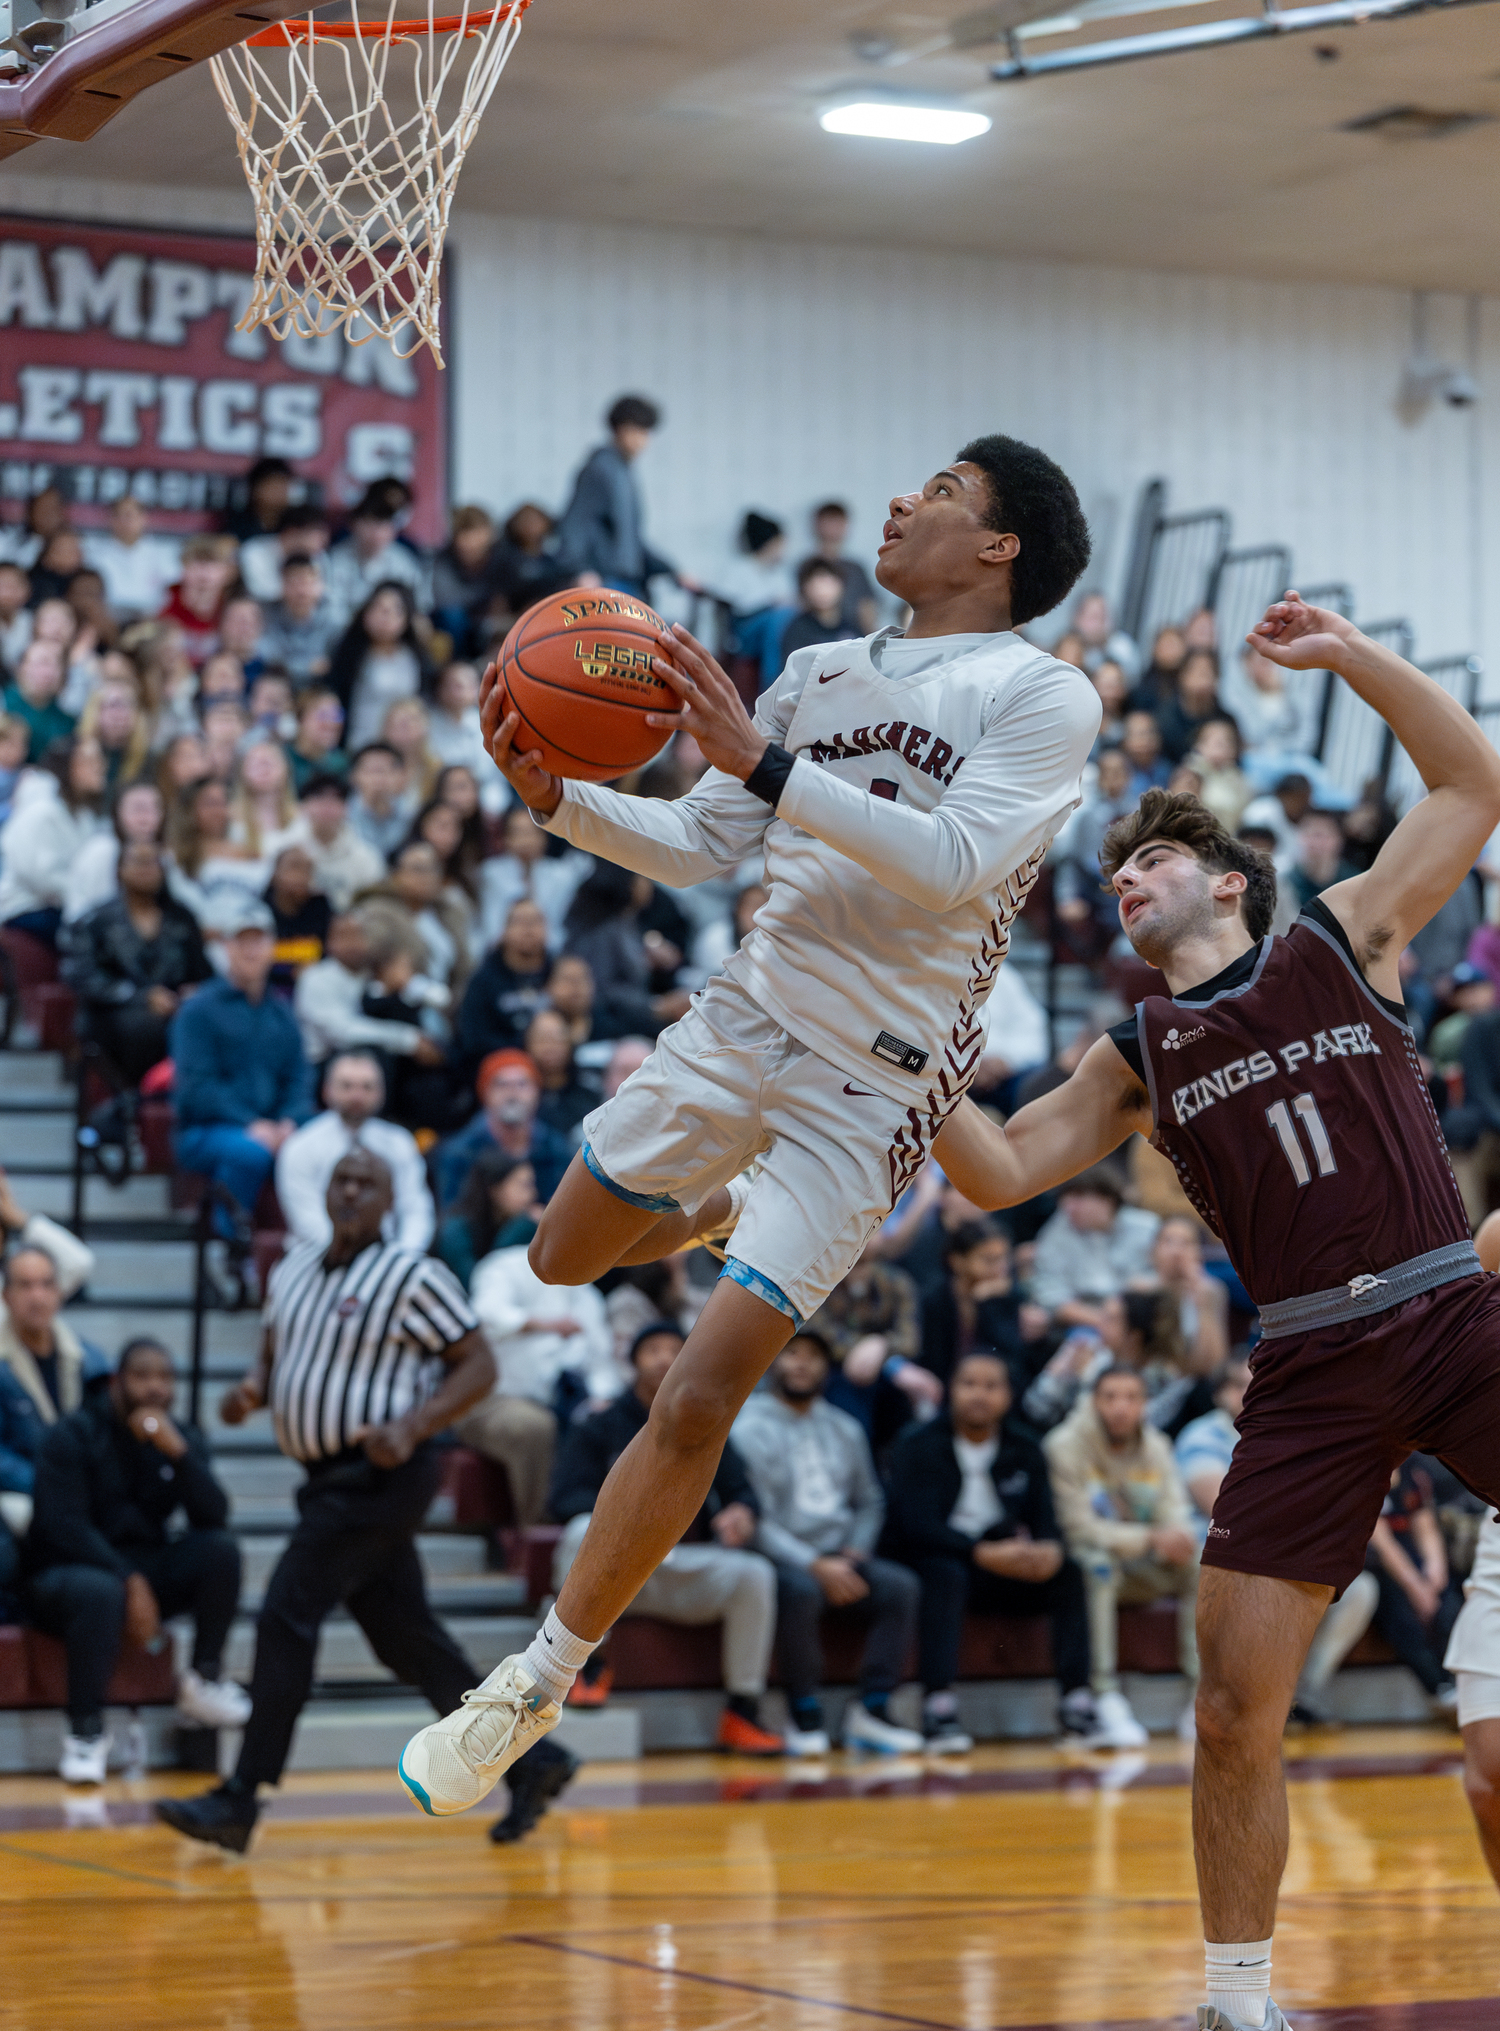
x: 679, y: 841
x: 1437, y: 843
x: 1050, y: 1141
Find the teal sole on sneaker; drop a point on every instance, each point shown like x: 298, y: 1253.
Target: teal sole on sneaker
x: 411, y: 1785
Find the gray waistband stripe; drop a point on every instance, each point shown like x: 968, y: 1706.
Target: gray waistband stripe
x: 1365, y: 1295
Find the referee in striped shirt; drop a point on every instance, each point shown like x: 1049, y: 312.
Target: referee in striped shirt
x: 356, y: 1338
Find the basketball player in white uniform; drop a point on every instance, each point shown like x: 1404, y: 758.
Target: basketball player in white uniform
x: 904, y: 789
x: 1474, y: 1649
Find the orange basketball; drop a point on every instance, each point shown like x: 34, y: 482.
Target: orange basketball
x: 577, y: 668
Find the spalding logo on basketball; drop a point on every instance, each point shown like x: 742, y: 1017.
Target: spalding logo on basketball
x: 577, y: 669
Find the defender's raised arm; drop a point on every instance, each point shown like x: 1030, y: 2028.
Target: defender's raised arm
x: 1050, y: 1141
x: 1437, y: 843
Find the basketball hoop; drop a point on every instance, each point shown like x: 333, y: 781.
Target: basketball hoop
x: 352, y: 191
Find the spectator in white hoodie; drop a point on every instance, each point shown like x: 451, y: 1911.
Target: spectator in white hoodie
x: 56, y: 811
x: 537, y: 1333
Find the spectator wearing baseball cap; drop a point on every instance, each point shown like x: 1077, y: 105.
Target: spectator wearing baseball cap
x: 510, y: 1092
x: 242, y: 1080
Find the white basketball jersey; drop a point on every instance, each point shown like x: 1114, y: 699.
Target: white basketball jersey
x: 929, y: 778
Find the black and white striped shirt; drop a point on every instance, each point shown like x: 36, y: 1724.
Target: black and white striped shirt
x: 356, y: 1345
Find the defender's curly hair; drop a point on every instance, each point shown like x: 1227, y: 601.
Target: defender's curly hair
x: 1174, y: 816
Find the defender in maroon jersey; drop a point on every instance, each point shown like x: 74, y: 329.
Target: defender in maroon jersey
x: 1280, y: 1077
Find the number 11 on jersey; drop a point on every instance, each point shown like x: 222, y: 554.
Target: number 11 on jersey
x: 1280, y: 1118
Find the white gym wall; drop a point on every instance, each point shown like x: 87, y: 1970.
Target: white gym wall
x: 791, y: 370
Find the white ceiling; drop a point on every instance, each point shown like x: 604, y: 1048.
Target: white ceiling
x: 698, y: 113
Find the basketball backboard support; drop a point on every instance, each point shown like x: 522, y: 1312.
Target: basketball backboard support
x: 66, y: 69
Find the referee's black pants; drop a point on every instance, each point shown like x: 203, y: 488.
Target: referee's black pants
x: 355, y: 1546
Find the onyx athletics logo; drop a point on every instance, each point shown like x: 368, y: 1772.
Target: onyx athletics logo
x: 1178, y: 1040
x: 828, y: 676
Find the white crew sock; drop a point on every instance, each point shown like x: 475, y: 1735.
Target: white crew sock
x: 555, y: 1656
x: 1239, y: 1979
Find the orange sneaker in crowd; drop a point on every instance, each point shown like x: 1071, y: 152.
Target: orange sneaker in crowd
x: 592, y: 1692
x: 746, y: 1738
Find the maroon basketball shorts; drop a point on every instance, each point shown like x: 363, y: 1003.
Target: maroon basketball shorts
x: 1330, y: 1415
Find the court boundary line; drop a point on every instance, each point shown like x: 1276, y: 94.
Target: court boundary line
x: 644, y: 1967
x: 89, y: 1868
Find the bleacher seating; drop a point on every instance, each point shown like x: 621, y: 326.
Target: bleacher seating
x: 481, y: 1588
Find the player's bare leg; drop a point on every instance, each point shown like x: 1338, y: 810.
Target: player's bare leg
x: 1482, y: 1785
x: 652, y: 1494
x: 659, y: 1483
x: 1253, y: 1634
x: 587, y: 1229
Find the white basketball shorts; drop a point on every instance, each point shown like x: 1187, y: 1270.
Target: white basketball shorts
x: 1474, y: 1647
x: 726, y: 1085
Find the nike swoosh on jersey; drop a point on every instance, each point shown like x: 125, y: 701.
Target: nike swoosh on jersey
x: 860, y: 1093
x: 832, y: 674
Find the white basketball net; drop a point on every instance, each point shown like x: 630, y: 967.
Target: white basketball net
x: 352, y: 193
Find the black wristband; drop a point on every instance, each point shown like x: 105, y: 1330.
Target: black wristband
x: 768, y: 778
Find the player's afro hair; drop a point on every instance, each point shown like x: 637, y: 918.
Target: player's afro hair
x: 1172, y: 815
x: 1032, y: 498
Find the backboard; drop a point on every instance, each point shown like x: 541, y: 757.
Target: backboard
x: 66, y: 69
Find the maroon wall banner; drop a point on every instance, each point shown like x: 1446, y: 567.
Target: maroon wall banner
x: 121, y: 371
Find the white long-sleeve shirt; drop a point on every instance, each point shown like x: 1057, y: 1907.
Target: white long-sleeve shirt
x: 1015, y: 1024
x: 328, y: 1004
x: 506, y: 1292
x: 137, y: 576
x: 39, y: 844
x: 929, y: 778
x: 305, y: 1163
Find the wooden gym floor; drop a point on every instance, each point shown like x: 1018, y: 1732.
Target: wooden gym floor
x: 1023, y: 1888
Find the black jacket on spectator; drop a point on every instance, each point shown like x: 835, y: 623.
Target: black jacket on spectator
x: 101, y: 1493
x: 565, y: 1106
x: 806, y: 631
x: 108, y: 961
x: 1480, y: 1111
x: 590, y: 1448
x: 497, y: 1008
x: 1180, y: 729
x: 522, y: 577
x: 617, y: 959
x: 926, y: 1480
x: 996, y: 1324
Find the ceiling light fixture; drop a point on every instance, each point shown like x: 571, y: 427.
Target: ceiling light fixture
x: 889, y: 120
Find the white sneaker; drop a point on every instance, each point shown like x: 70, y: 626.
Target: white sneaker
x: 864, y: 1730
x: 453, y: 1763
x: 84, y: 1762
x: 805, y: 1741
x: 212, y: 1703
x: 1115, y: 1726
x: 739, y: 1192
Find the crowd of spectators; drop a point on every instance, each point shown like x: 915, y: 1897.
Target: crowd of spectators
x: 247, y: 801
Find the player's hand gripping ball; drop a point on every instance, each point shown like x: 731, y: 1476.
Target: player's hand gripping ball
x: 577, y: 668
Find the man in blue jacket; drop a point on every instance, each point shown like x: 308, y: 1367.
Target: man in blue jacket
x: 242, y: 1081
